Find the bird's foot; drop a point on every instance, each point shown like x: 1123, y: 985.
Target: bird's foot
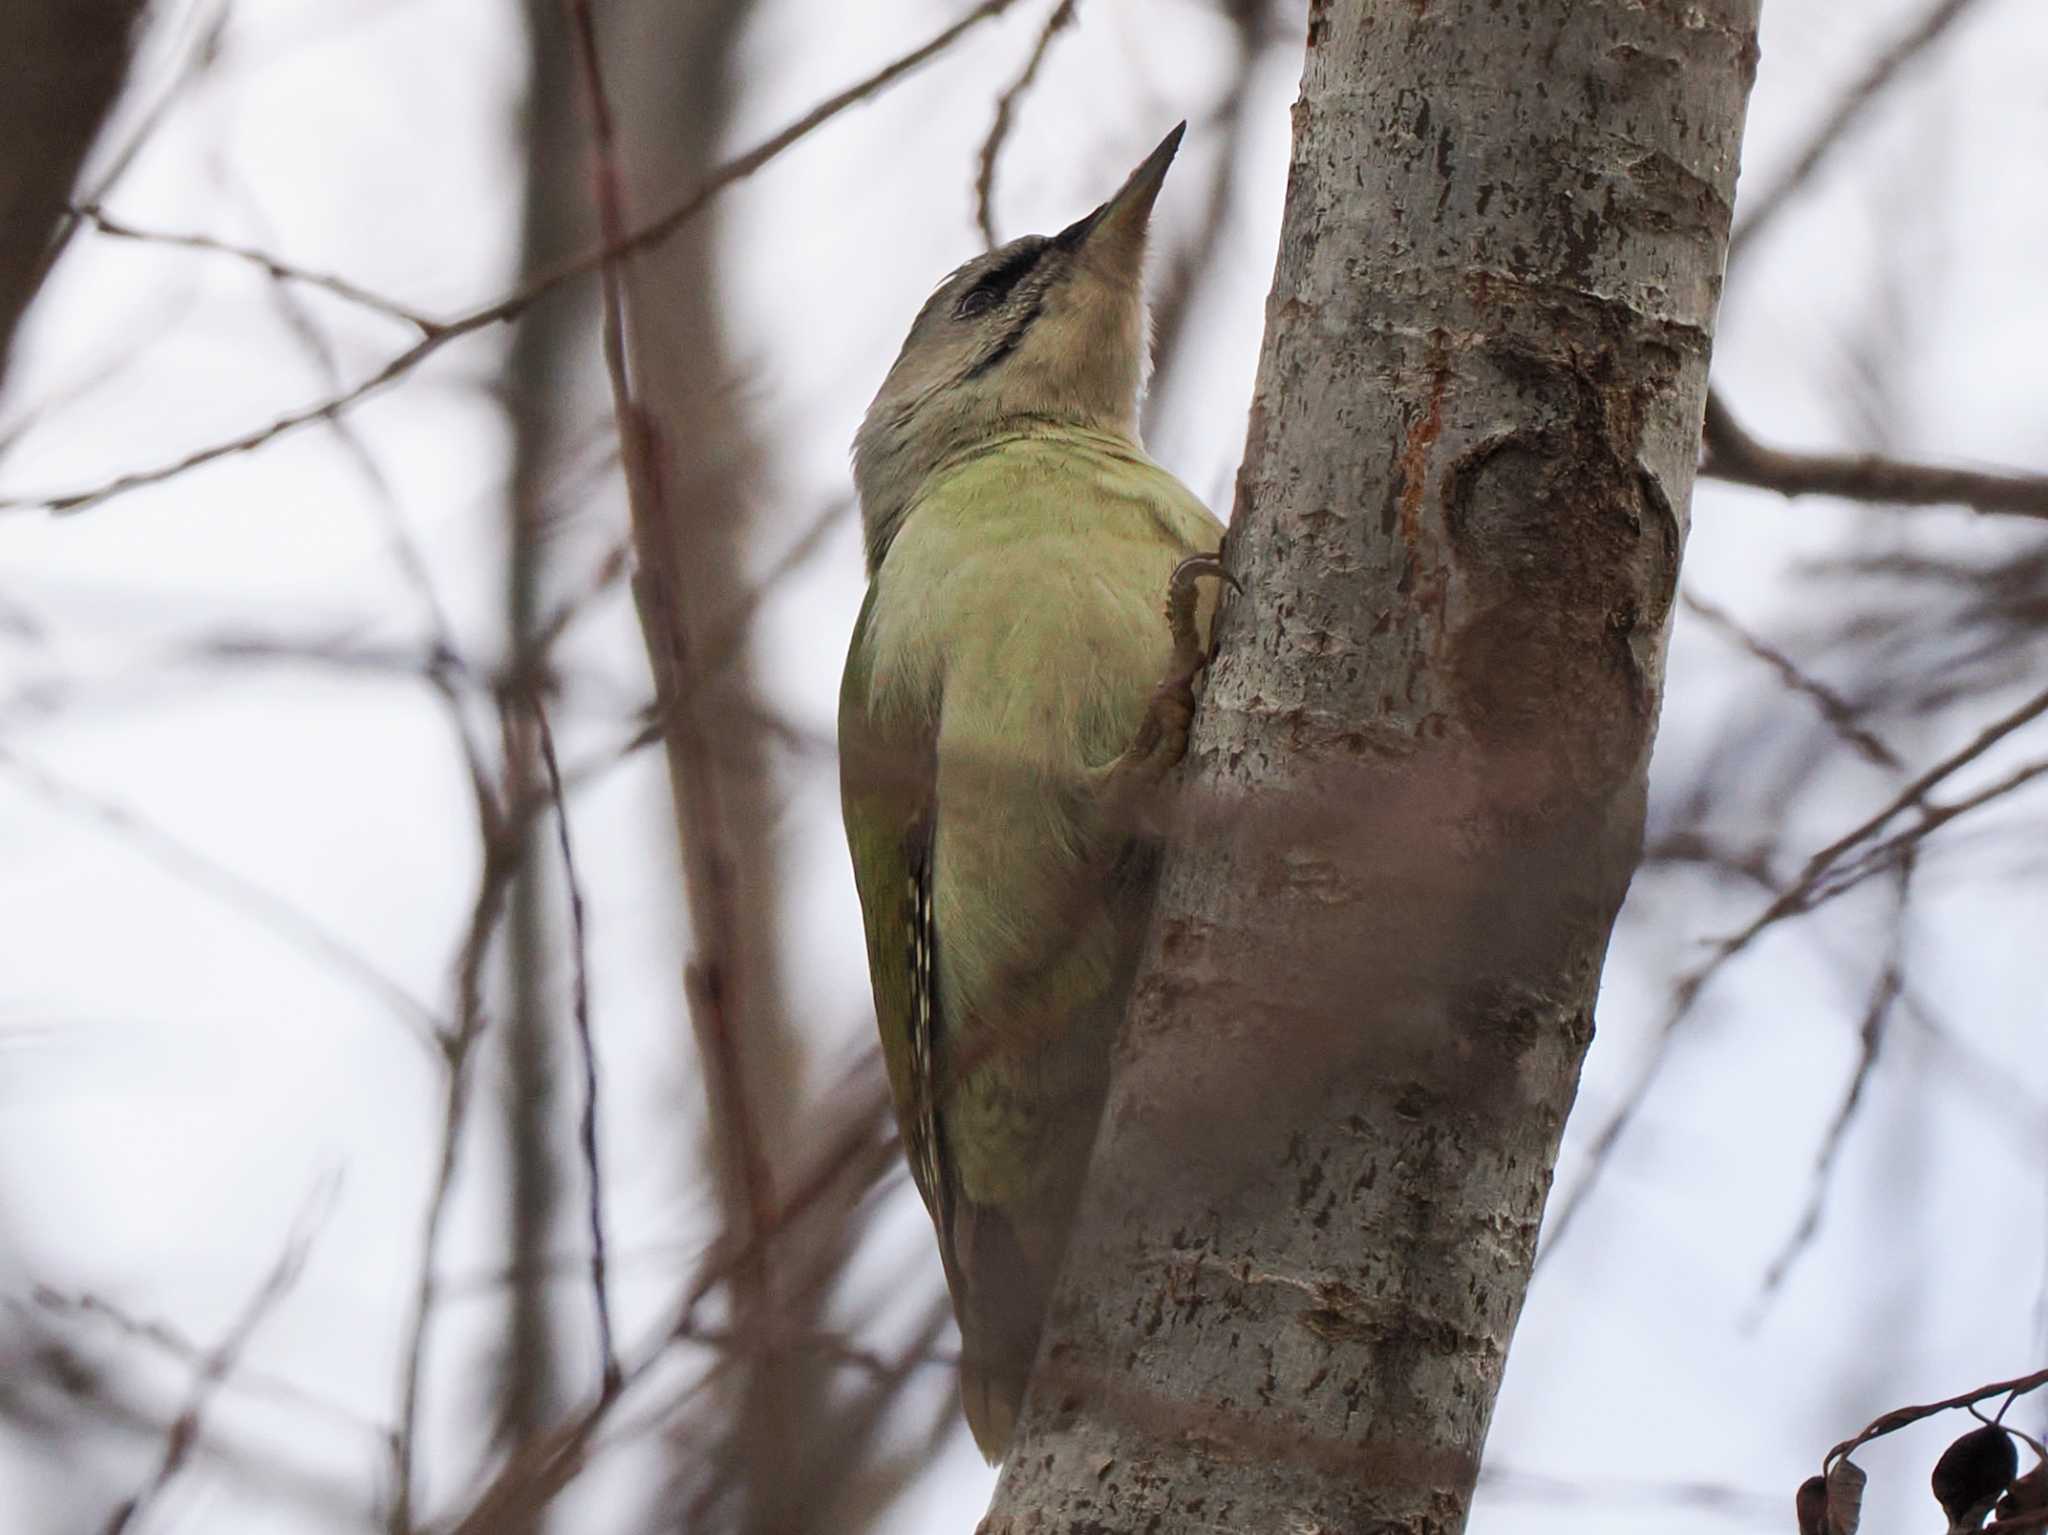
x: 1162, y: 736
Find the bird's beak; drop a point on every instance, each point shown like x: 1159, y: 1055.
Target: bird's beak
x: 1117, y: 228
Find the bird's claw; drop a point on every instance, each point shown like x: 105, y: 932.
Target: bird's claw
x: 1162, y: 736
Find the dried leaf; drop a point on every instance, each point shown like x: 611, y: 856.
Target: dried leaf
x: 1811, y: 1503
x: 1972, y: 1475
x: 2028, y: 1495
x: 1845, y: 1498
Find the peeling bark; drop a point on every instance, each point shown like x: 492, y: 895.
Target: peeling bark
x: 1415, y: 793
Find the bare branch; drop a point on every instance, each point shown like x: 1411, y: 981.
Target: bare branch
x: 1761, y: 210
x: 1739, y: 459
x: 516, y: 303
x: 201, y: 871
x: 185, y: 1430
x: 502, y: 830
x: 188, y: 1351
x: 707, y: 863
x: 1810, y: 890
x: 273, y: 267
x: 587, y: 1129
x: 1834, y: 708
x: 1905, y: 1417
x: 999, y: 130
x: 536, y: 1471
x: 1884, y: 999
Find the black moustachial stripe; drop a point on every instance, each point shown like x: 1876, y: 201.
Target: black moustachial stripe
x: 1009, y: 343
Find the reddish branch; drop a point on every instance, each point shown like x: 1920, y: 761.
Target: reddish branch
x: 717, y: 1009
x: 1735, y: 456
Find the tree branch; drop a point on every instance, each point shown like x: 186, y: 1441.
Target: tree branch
x: 1734, y: 456
x: 516, y: 303
x: 1760, y: 211
x: 999, y: 129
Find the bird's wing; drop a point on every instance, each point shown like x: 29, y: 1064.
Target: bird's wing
x: 886, y: 796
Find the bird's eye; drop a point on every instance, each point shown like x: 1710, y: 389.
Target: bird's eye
x: 976, y: 301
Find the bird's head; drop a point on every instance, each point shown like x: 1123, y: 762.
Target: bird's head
x: 1048, y: 329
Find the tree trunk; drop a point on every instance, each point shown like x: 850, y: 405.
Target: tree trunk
x: 1416, y: 788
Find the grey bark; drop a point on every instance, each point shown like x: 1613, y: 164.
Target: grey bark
x: 62, y: 64
x: 1416, y: 787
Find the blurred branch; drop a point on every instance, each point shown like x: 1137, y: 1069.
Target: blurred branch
x: 187, y: 1351
x: 1811, y: 889
x: 999, y: 130
x: 587, y: 1128
x: 1884, y: 1000
x: 1834, y: 708
x: 186, y: 1428
x: 271, y: 266
x: 200, y: 870
x: 1731, y: 454
x: 516, y: 303
x: 1173, y: 305
x: 537, y: 1471
x: 503, y: 844
x: 657, y: 580
x: 1759, y: 211
x: 1514, y: 1484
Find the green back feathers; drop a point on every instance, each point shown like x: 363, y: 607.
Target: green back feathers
x: 1001, y: 664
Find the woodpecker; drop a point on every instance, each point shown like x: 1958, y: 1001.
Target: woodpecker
x: 1017, y: 686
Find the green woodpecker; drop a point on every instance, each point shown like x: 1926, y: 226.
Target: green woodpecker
x: 1000, y: 732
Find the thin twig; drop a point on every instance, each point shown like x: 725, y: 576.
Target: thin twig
x: 1884, y: 999
x: 713, y: 979
x: 186, y: 1429
x: 502, y: 833
x: 187, y: 1351
x: 1803, y: 895
x: 1905, y: 1417
x: 536, y: 1471
x: 1181, y: 274
x: 1759, y: 211
x: 519, y: 301
x: 587, y: 1130
x: 1834, y: 708
x: 1731, y: 454
x: 202, y: 871
x: 412, y: 562
x: 1931, y: 818
x: 272, y: 266
x: 999, y: 130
